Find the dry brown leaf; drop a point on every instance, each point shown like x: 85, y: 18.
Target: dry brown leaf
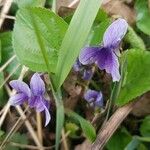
x: 117, y: 7
x: 142, y: 107
x: 86, y: 145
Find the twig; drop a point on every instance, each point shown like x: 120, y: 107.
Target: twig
x: 13, y: 130
x: 72, y: 4
x: 29, y: 127
x: 7, y: 106
x: 64, y: 141
x: 24, y: 146
x: 1, y: 3
x: 10, y: 17
x: 2, y: 110
x: 8, y: 77
x: 39, y: 126
x: 7, y: 63
x: 111, y: 125
x: 4, y: 11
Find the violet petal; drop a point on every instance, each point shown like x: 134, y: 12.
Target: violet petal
x: 88, y: 55
x: 40, y: 104
x: 114, y: 33
x: 46, y: 105
x: 32, y: 101
x: 77, y: 66
x: 36, y: 102
x: 99, y: 100
x: 94, y: 97
x: 91, y: 95
x: 20, y: 87
x: 87, y: 74
x: 108, y: 60
x: 37, y: 85
x: 17, y: 99
x: 47, y: 116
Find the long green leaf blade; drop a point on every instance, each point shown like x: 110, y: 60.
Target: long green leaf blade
x: 75, y: 37
x: 59, y: 123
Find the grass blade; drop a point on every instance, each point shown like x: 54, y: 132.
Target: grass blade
x: 75, y: 38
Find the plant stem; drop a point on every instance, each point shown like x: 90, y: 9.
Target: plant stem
x: 117, y: 87
x: 59, y: 114
x: 94, y: 85
x: 39, y: 127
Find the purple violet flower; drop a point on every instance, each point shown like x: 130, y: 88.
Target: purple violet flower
x: 77, y: 66
x: 86, y: 72
x: 23, y: 92
x: 105, y: 56
x: 94, y: 97
x: 34, y: 95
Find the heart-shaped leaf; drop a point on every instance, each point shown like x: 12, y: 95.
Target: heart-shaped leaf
x: 143, y: 15
x: 137, y: 76
x: 35, y: 30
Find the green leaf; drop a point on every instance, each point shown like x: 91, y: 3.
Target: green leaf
x: 59, y: 123
x: 134, y: 40
x: 143, y: 15
x: 137, y: 76
x: 145, y: 127
x: 29, y: 3
x: 75, y: 38
x: 17, y: 138
x: 37, y: 30
x: 101, y: 16
x: 144, y: 139
x: 0, y: 51
x: 136, y: 143
x: 86, y: 126
x: 1, y: 133
x: 133, y: 144
x: 59, y: 115
x: 119, y: 140
x: 7, y: 52
x: 142, y: 147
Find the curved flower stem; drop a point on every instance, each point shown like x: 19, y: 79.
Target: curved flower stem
x: 117, y: 87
